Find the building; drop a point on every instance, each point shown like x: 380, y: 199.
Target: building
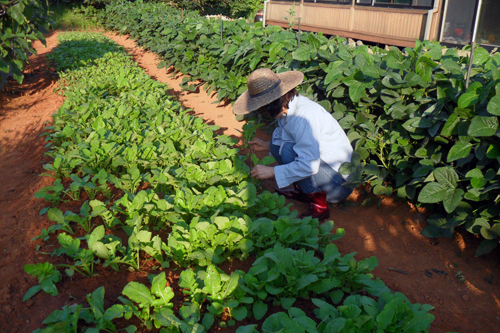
x: 394, y: 22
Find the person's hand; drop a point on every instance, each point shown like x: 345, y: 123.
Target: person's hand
x: 260, y: 145
x: 262, y: 172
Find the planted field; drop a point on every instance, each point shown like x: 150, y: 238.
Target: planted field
x: 167, y: 210
x: 148, y: 169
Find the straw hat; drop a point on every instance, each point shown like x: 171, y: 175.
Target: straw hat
x: 264, y: 86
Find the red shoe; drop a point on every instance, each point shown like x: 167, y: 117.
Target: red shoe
x: 318, y: 208
x: 294, y: 193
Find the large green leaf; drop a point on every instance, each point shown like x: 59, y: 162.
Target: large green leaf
x: 437, y: 220
x: 239, y: 313
x: 356, y: 91
x: 113, y: 312
x: 478, y: 224
x: 446, y: 176
x: 420, y: 323
x: 335, y: 325
x: 393, y: 80
x: 372, y: 71
x: 302, y: 53
x: 160, y: 289
x: 435, y: 52
x: 253, y: 63
x: 360, y: 61
x: 96, y: 235
x: 486, y: 246
x: 96, y: 301
x: 16, y: 12
x: 100, y: 250
x: 480, y: 56
x: 55, y: 214
x: 32, y: 292
x: 468, y: 99
x: 476, y: 87
x: 432, y: 193
x: 392, y: 62
x: 313, y: 41
x: 259, y: 310
x: 386, y: 316
x: 208, y: 320
x: 231, y: 285
x: 452, y: 66
x: 212, y: 281
x: 458, y: 151
x: 350, y: 311
x: 138, y: 293
x: 413, y: 79
x: 306, y: 280
x: 452, y: 200
x: 483, y: 126
x: 332, y: 75
x: 450, y: 127
x: 494, y: 105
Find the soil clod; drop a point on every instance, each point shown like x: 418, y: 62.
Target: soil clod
x: 437, y: 271
x: 397, y: 270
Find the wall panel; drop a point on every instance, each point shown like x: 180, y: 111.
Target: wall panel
x: 393, y: 25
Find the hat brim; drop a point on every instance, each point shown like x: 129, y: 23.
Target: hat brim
x: 246, y: 104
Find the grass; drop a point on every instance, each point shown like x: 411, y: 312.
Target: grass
x: 74, y: 17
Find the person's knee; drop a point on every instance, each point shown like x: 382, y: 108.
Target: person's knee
x: 274, y: 150
x: 288, y: 155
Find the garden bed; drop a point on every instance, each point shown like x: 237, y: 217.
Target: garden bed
x: 389, y: 231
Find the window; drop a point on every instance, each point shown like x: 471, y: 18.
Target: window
x: 417, y: 4
x: 488, y: 29
x: 395, y: 2
x: 339, y: 2
x: 458, y: 22
x: 422, y: 3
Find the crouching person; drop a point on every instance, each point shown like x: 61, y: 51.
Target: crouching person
x: 308, y: 143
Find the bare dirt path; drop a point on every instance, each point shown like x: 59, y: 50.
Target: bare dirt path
x: 24, y: 111
x: 423, y: 269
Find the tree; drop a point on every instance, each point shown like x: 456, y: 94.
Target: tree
x: 21, y: 23
x: 232, y: 8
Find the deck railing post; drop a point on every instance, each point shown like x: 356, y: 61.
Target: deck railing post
x: 298, y: 45
x: 473, y: 44
x: 300, y: 19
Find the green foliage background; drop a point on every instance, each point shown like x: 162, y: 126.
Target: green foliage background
x: 230, y: 8
x: 416, y: 128
x: 21, y: 23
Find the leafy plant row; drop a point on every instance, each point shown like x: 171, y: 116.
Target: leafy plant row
x: 419, y: 132
x: 142, y: 166
x: 392, y: 312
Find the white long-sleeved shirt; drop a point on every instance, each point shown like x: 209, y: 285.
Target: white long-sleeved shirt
x: 316, y: 136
